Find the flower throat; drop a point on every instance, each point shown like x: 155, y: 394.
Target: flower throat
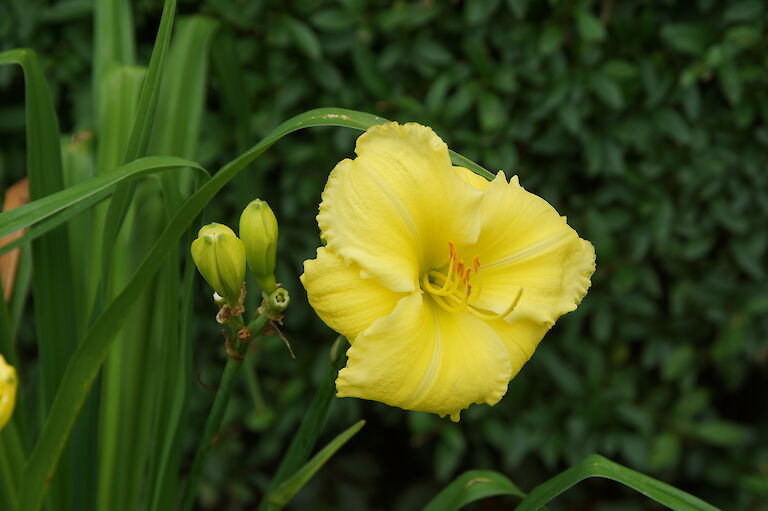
x: 452, y: 290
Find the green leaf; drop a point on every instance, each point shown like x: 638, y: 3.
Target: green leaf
x: 281, y: 495
x: 233, y: 89
x: 620, y: 69
x: 313, y: 423
x: 745, y: 10
x: 170, y: 456
x: 477, y: 11
x: 303, y: 37
x: 113, y: 40
x: 449, y: 451
x: 179, y: 110
x: 492, y: 112
x: 176, y: 131
x: 744, y: 36
x: 665, y: 452
x: 471, y: 486
x: 56, y: 304
x: 12, y: 452
x: 689, y: 38
x: 551, y: 39
x: 720, y: 433
x: 333, y: 19
x: 57, y: 219
x: 589, y: 26
x: 460, y: 102
x: 673, y: 124
x: 430, y: 51
x: 730, y: 83
x: 36, y: 211
x: 749, y: 252
x: 368, y: 71
x: 179, y: 113
x: 598, y: 466
x: 67, y: 11
x: 607, y: 90
x: 141, y: 130
x: 119, y: 90
x: 476, y: 49
x: 435, y: 98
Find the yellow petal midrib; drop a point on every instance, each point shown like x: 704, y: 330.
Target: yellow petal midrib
x: 429, y: 377
x: 529, y: 252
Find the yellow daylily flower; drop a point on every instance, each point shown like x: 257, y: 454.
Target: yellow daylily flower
x: 444, y: 283
x: 8, y: 385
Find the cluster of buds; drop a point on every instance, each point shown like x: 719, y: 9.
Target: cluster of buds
x: 8, y: 384
x: 221, y: 257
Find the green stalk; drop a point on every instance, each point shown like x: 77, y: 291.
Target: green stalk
x: 219, y: 407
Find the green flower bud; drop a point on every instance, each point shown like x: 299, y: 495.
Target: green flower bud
x: 258, y: 230
x: 220, y: 257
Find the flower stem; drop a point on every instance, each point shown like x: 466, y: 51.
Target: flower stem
x: 239, y: 349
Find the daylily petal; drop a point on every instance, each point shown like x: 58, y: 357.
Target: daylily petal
x: 9, y: 383
x: 345, y: 301
x: 521, y: 338
x: 386, y: 210
x: 421, y: 357
x: 524, y: 243
x: 471, y: 178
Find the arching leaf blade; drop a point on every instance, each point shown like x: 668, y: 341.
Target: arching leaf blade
x: 471, y: 486
x: 598, y: 466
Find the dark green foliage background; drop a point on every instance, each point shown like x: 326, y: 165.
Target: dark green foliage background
x: 643, y: 122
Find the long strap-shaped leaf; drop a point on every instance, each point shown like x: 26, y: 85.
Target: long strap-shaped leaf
x: 303, y: 441
x: 471, y: 486
x: 55, y: 301
x: 142, y: 129
x: 598, y: 466
x: 86, y: 361
x: 34, y: 212
x: 280, y: 496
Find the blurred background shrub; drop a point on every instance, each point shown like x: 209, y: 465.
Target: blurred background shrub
x: 644, y: 122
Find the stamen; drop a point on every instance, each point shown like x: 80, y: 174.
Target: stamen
x: 460, y: 301
x: 492, y: 315
x: 452, y: 291
x: 448, y: 287
x: 442, y: 303
x: 465, y: 278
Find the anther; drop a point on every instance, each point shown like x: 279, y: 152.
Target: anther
x: 452, y: 290
x: 465, y: 277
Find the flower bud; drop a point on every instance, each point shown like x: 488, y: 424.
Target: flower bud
x: 278, y: 300
x: 220, y: 257
x: 258, y: 230
x: 8, y: 384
